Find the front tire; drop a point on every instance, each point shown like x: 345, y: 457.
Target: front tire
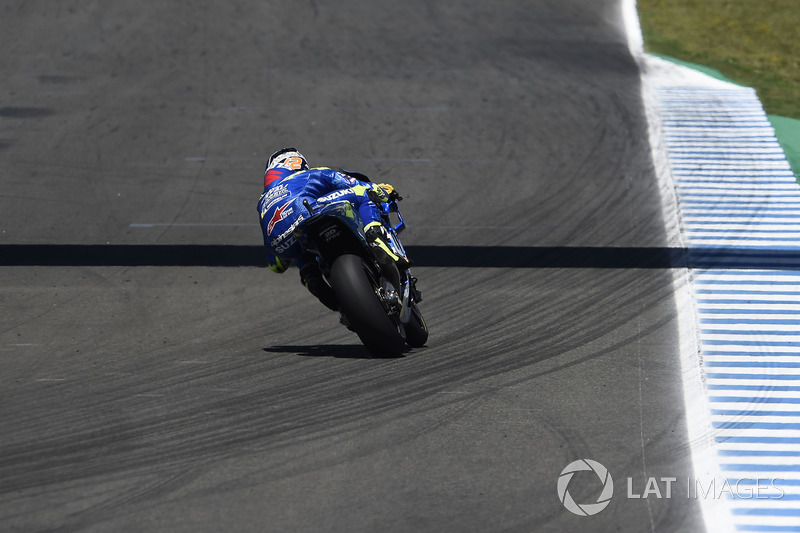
x: 416, y: 329
x: 361, y: 305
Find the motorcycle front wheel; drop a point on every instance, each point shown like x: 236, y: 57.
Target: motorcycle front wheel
x: 416, y: 329
x: 359, y: 302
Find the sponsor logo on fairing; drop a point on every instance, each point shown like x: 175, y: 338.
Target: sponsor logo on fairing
x: 330, y: 233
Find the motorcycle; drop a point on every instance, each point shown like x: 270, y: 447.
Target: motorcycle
x: 377, y: 301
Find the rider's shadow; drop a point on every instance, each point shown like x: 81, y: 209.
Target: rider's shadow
x: 341, y: 351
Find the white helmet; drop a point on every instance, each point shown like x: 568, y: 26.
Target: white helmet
x: 288, y: 159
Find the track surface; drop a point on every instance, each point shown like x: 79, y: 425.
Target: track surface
x: 206, y: 399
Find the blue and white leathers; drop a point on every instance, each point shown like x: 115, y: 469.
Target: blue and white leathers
x: 281, y: 208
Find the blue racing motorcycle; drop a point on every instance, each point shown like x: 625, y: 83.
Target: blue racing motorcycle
x: 377, y: 301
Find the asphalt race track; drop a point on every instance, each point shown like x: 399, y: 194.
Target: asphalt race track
x: 149, y: 393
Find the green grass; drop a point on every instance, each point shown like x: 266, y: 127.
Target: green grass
x: 753, y: 42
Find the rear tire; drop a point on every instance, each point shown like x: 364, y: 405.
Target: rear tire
x: 362, y: 307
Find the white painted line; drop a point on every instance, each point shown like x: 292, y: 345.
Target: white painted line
x: 755, y: 406
x: 17, y: 345
x: 716, y: 513
x: 778, y: 228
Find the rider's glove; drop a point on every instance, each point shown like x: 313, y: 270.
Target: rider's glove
x: 391, y: 192
x: 383, y: 192
x: 377, y: 194
x: 387, y: 188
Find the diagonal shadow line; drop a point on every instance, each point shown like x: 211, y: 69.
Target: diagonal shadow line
x: 216, y: 255
x: 432, y: 256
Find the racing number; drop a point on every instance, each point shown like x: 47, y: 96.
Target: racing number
x: 294, y: 163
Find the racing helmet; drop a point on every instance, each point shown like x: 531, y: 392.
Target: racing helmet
x: 288, y: 159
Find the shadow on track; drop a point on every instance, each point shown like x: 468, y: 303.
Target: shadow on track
x: 423, y: 256
x: 339, y: 351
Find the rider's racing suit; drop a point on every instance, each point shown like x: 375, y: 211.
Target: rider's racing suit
x: 281, y: 209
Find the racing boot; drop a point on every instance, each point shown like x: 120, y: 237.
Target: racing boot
x: 389, y: 262
x: 378, y: 239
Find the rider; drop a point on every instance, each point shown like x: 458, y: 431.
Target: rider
x: 288, y: 181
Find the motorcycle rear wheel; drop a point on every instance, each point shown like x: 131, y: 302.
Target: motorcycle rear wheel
x: 361, y: 305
